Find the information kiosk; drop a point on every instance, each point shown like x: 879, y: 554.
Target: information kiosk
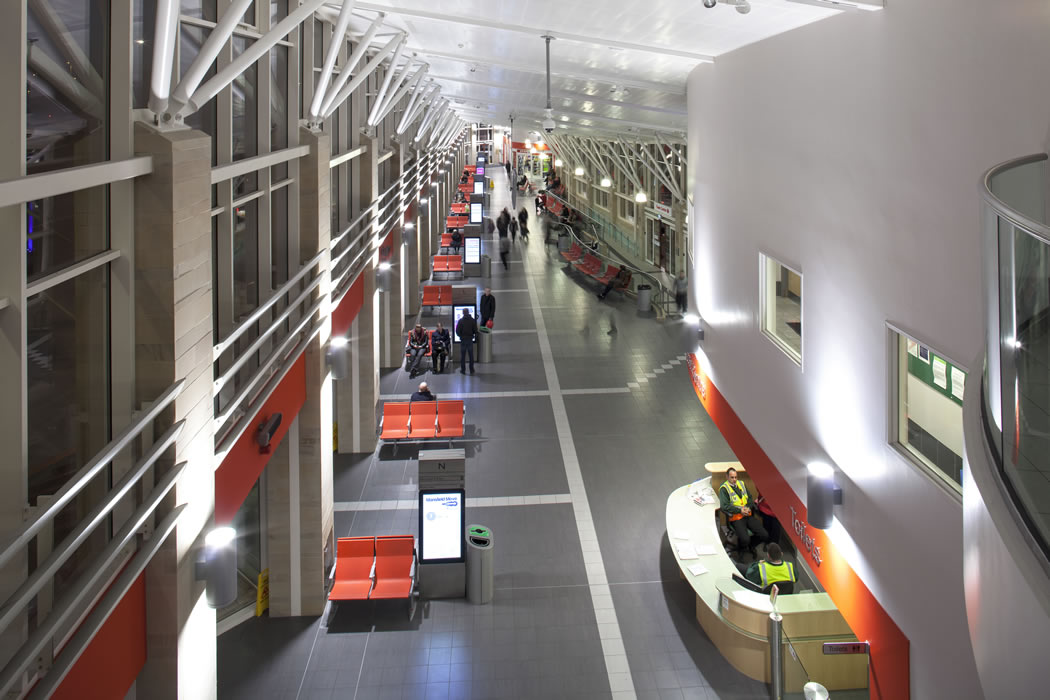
x: 442, y: 543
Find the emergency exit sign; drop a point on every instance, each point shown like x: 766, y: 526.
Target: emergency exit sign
x: 831, y: 648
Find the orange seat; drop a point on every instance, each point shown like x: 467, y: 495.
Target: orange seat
x: 450, y: 417
x: 355, y: 557
x: 446, y: 240
x: 396, y: 421
x: 424, y: 419
x: 573, y: 253
x: 454, y: 263
x: 610, y: 274
x: 395, y: 568
x: 460, y: 208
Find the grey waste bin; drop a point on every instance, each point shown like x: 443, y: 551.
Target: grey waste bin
x: 479, y: 564
x: 484, y: 345
x: 645, y: 296
x: 486, y: 266
x: 563, y: 241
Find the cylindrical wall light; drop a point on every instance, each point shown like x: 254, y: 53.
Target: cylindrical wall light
x: 641, y: 198
x: 217, y: 566
x: 606, y: 182
x: 578, y: 171
x: 822, y: 494
x: 338, y: 356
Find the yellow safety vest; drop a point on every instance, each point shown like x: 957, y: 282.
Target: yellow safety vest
x: 736, y: 499
x: 774, y: 573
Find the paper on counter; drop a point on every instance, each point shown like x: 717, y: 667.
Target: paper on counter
x: 706, y: 549
x: 697, y: 569
x: 680, y: 534
x: 687, y: 551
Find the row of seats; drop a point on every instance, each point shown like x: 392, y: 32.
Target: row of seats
x: 421, y: 420
x: 375, y: 568
x: 460, y: 208
x: 456, y: 221
x: 592, y: 266
x: 437, y: 295
x: 449, y: 264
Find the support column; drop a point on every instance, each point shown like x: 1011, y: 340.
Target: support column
x: 357, y: 394
x: 173, y: 340
x: 301, y: 538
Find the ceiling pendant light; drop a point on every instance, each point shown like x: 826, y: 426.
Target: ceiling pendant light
x: 578, y: 171
x: 641, y: 197
x: 606, y: 182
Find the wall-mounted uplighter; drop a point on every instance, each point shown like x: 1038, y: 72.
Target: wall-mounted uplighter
x: 217, y: 566
x: 265, y: 432
x: 822, y: 494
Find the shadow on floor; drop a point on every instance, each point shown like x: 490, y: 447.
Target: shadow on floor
x: 354, y: 617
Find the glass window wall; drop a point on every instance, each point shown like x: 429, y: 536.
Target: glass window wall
x: 781, y: 306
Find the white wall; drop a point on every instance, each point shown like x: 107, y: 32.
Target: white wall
x: 853, y: 148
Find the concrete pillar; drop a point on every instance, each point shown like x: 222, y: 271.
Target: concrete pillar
x: 173, y: 340
x: 356, y: 395
x: 298, y: 536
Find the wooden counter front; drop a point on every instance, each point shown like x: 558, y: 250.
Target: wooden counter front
x: 736, y: 619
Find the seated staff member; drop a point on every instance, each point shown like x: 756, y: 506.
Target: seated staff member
x: 735, y: 502
x: 773, y: 569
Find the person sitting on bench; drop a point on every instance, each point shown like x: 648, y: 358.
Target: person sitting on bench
x: 457, y: 240
x: 416, y: 349
x: 619, y: 281
x: 440, y: 347
x: 772, y: 569
x: 423, y: 394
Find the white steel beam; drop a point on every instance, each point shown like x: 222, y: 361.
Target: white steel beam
x: 393, y: 101
x: 437, y: 111
x: 476, y: 21
x: 441, y: 126
x: 208, y: 52
x: 253, y: 53
x: 344, y: 72
x: 165, y: 28
x: 338, y: 37
x: 332, y: 103
x: 627, y: 168
x: 60, y: 35
x: 380, y: 99
x: 415, y: 104
x: 650, y: 163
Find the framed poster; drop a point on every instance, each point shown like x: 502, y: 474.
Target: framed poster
x: 471, y: 250
x: 441, y: 526
x: 475, y: 212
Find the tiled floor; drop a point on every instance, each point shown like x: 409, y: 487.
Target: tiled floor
x: 572, y: 477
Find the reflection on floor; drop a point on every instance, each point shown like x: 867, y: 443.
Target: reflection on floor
x: 606, y: 428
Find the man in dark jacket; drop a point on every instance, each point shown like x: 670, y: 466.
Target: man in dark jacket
x: 423, y: 394
x: 440, y: 347
x: 488, y: 307
x: 466, y: 329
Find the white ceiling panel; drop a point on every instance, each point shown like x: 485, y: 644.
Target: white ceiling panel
x: 615, y: 64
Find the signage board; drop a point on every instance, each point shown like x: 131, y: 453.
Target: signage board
x: 480, y: 169
x: 833, y: 648
x: 475, y: 212
x: 479, y: 186
x: 662, y: 209
x: 471, y: 250
x: 441, y: 526
x: 457, y: 313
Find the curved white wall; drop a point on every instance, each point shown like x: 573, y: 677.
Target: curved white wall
x: 852, y: 149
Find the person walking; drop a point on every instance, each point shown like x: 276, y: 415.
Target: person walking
x: 488, y: 307
x: 466, y: 329
x: 504, y: 250
x: 514, y: 230
x: 681, y: 293
x: 501, y: 224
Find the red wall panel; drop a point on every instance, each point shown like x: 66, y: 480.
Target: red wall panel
x: 348, y: 308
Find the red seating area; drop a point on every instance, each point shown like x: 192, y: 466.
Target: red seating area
x: 430, y: 337
x: 375, y: 568
x: 460, y: 208
x: 422, y: 420
x: 467, y: 187
x: 354, y: 568
x: 575, y: 252
x: 452, y: 222
x: 437, y: 295
x: 448, y: 264
x: 591, y: 265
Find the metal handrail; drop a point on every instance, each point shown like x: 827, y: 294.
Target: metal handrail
x: 1037, y: 228
x: 247, y: 323
x: 87, y: 473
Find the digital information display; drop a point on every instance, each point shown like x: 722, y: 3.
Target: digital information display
x: 457, y: 313
x: 471, y: 249
x: 481, y: 168
x: 479, y: 187
x: 475, y: 212
x: 441, y: 525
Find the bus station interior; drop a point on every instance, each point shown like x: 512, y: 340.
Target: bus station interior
x: 805, y: 240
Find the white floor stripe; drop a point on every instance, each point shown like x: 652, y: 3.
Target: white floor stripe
x: 616, y: 665
x: 517, y: 330
x: 612, y: 390
x: 472, y: 502
x: 472, y: 395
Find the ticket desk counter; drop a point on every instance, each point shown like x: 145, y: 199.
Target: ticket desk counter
x: 737, y: 619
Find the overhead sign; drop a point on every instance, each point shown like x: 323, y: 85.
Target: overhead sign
x: 833, y: 648
x: 662, y: 209
x: 441, y: 525
x: 471, y: 250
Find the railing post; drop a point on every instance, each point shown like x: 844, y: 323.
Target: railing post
x: 776, y: 657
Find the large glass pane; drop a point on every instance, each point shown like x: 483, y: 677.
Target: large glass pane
x: 278, y: 11
x: 68, y: 416
x: 144, y: 23
x: 248, y: 524
x: 202, y: 9
x: 64, y: 229
x: 245, y: 107
x: 245, y: 259
x: 67, y: 90
x: 191, y: 39
x: 279, y: 237
x: 781, y: 302
x: 279, y: 106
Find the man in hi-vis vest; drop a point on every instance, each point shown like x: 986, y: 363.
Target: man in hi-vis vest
x: 772, y: 569
x: 736, y: 502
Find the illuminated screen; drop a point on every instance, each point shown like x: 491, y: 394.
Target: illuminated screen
x: 441, y: 525
x: 480, y: 170
x: 479, y: 187
x: 457, y: 313
x: 475, y: 212
x: 471, y: 249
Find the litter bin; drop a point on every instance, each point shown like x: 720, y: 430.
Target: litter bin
x: 563, y: 241
x: 645, y: 296
x: 484, y: 344
x: 479, y: 564
x: 486, y: 266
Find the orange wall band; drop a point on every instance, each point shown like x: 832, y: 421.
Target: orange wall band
x: 238, y: 473
x: 116, y: 655
x: 348, y: 308
x: 889, y: 678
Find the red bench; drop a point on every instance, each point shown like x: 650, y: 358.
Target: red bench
x: 590, y: 265
x: 448, y: 264
x: 422, y: 420
x: 460, y: 208
x: 437, y: 295
x: 467, y: 187
x: 452, y: 222
x: 575, y: 252
x: 375, y: 568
